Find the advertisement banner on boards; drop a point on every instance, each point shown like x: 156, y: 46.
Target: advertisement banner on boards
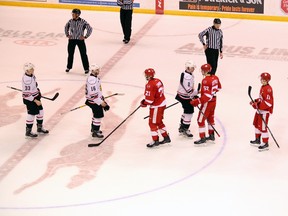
x: 234, y: 6
x: 94, y: 2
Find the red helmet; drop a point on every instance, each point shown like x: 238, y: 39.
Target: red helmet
x: 206, y: 68
x: 150, y: 72
x: 265, y: 76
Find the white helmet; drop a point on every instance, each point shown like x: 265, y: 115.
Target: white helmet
x: 94, y: 67
x: 190, y: 64
x: 28, y: 66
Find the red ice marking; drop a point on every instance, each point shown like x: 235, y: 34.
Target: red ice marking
x: 27, y: 147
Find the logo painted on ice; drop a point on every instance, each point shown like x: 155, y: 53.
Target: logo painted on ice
x: 35, y: 42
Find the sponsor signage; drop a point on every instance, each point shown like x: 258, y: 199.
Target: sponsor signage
x: 235, y: 6
x: 94, y: 2
x: 159, y: 6
x: 234, y: 51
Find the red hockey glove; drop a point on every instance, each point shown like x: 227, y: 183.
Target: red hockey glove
x: 254, y: 105
x: 195, y: 102
x: 143, y: 103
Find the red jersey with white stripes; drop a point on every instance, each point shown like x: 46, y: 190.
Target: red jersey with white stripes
x: 209, y: 87
x: 154, y: 93
x: 266, y: 98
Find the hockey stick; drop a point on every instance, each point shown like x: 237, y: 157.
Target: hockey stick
x: 208, y: 122
x: 52, y: 99
x: 86, y: 105
x: 165, y: 108
x: 249, y: 93
x: 97, y: 144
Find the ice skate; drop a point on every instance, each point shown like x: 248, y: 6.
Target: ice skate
x: 153, y: 144
x: 165, y: 140
x: 200, y: 141
x: 211, y: 137
x: 181, y: 129
x: 29, y: 134
x: 41, y: 130
x: 263, y: 147
x: 97, y: 134
x: 255, y: 142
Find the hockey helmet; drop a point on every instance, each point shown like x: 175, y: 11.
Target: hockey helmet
x: 190, y: 64
x: 76, y: 11
x: 265, y: 76
x: 27, y: 66
x: 150, y: 72
x: 94, y: 67
x: 206, y: 68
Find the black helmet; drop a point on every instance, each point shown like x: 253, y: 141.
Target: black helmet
x: 217, y: 21
x: 76, y: 11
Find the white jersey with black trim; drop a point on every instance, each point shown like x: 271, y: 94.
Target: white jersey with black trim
x: 186, y: 86
x: 94, y: 90
x: 29, y: 87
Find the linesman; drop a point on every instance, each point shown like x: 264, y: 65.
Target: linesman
x: 74, y: 31
x: 213, y: 44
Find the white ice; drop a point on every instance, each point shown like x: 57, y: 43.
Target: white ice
x: 58, y: 174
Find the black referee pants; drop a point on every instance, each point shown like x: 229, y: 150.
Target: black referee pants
x: 126, y: 23
x: 82, y: 49
x: 212, y: 56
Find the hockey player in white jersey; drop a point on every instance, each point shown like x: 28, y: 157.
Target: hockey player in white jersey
x: 185, y: 93
x: 95, y: 100
x: 32, y: 99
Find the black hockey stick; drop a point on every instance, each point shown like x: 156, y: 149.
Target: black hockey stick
x: 208, y: 122
x: 249, y: 93
x: 165, y: 108
x: 52, y: 99
x: 97, y: 144
x: 86, y: 105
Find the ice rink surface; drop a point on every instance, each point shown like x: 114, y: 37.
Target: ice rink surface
x: 58, y: 174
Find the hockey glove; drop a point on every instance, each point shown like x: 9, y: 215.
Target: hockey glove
x: 143, y: 103
x: 40, y: 95
x: 254, y: 105
x: 195, y: 102
x: 258, y: 100
x: 106, y: 108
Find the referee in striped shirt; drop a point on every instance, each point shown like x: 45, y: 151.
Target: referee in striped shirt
x: 74, y: 30
x: 213, y: 44
x: 126, y: 12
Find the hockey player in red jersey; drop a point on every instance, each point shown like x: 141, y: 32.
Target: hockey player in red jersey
x: 32, y: 99
x: 209, y: 87
x: 264, y: 105
x: 154, y: 97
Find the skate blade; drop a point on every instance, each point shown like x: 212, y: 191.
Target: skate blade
x: 262, y: 150
x: 184, y: 135
x: 201, y: 145
x: 41, y: 134
x: 97, y: 138
x: 28, y: 137
x: 255, y: 145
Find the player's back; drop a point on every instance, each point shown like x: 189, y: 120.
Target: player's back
x: 154, y: 92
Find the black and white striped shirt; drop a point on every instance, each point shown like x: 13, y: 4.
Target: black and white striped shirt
x: 214, y: 38
x: 76, y: 28
x: 125, y: 4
